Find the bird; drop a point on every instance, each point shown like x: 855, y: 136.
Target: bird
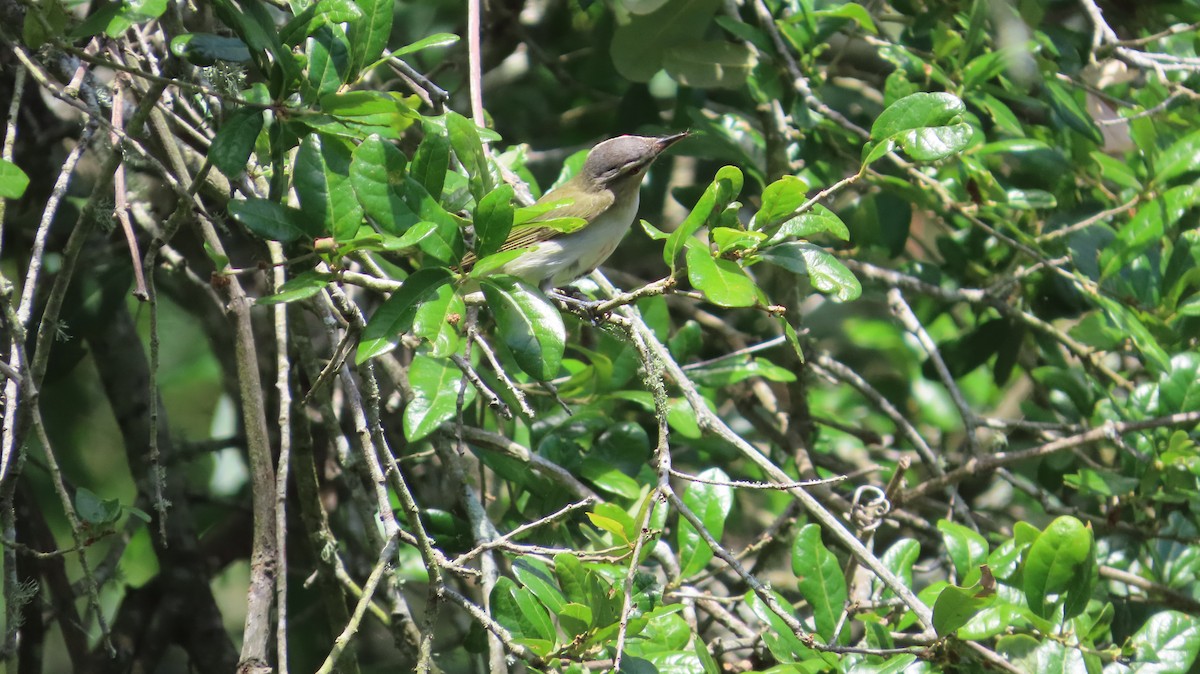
x: 604, y: 194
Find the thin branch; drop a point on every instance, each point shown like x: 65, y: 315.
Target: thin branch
x: 982, y: 464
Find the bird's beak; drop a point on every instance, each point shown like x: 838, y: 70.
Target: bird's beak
x: 663, y: 142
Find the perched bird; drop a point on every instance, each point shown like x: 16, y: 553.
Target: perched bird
x: 604, y: 194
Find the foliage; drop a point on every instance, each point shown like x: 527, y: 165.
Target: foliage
x: 916, y: 389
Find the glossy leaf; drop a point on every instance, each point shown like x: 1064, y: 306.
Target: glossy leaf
x: 299, y: 288
x: 438, y: 320
x: 272, y: 220
x: 826, y: 273
x: 530, y: 327
x: 395, y: 316
x: 639, y: 46
x: 709, y: 64
x: 468, y: 147
x: 820, y: 579
x: 780, y: 200
x: 539, y: 578
x: 322, y: 181
x: 1059, y: 567
x: 493, y: 220
x: 923, y: 125
x: 231, y: 147
x: 1068, y: 109
x: 724, y: 188
x: 816, y: 220
x: 369, y: 32
x: 436, y: 384
x: 427, y: 42
x: 1168, y: 642
x: 377, y: 171
x: 432, y: 160
x: 956, y: 606
x: 13, y: 180
x: 205, y: 49
x: 359, y: 114
x: 967, y: 549
x: 328, y: 60
x: 712, y: 503
x: 722, y: 281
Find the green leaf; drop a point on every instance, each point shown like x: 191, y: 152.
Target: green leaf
x: 724, y: 188
x: 712, y: 503
x: 13, y: 180
x: 820, y: 579
x: 1030, y: 199
x: 924, y: 125
x: 231, y: 147
x: 437, y: 320
x: 517, y: 610
x: 205, y: 49
x: 42, y: 21
x: 806, y: 225
x: 707, y: 64
x: 899, y: 559
x: 369, y: 32
x: 328, y: 61
x: 530, y: 326
x: 609, y: 478
x: 1179, y: 388
x: 1072, y: 112
x: 432, y: 160
x: 273, y: 220
x: 436, y: 384
x: 572, y: 578
x: 394, y: 317
x: 729, y: 239
x: 956, y: 606
x: 413, y: 236
x: 322, y: 182
x: 1062, y: 555
x: 1101, y: 483
x: 1182, y: 157
x: 779, y: 638
x: 967, y: 549
x: 377, y: 172
x: 626, y: 528
x: 826, y: 273
x: 539, y: 578
x: 722, y: 281
x: 464, y: 138
x: 575, y: 619
x: 1141, y: 337
x: 639, y: 47
x: 852, y: 11
x: 301, y: 287
x: 95, y: 510
x: 316, y: 16
x: 435, y: 40
x: 358, y: 114
x: 780, y: 200
x: 1148, y: 225
x: 1168, y: 642
x: 493, y: 220
x: 730, y: 371
x: 916, y: 111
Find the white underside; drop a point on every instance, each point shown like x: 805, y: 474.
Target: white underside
x: 557, y: 262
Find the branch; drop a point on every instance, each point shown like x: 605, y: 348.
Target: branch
x: 982, y: 464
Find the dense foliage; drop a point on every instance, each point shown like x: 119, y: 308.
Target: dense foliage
x: 898, y: 373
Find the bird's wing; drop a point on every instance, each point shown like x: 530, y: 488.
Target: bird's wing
x: 531, y: 233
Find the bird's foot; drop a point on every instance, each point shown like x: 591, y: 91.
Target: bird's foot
x: 586, y: 305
